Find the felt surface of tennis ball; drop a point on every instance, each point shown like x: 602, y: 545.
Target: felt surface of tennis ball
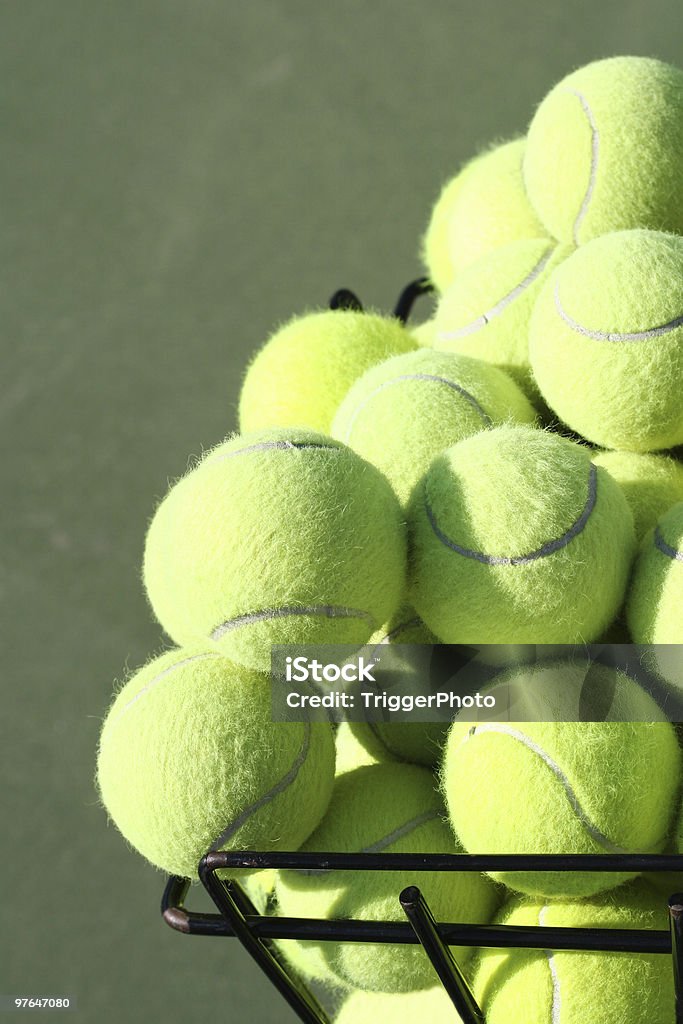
x: 482, y: 208
x: 606, y: 340
x: 277, y: 537
x: 540, y: 986
x: 517, y: 538
x: 436, y: 252
x: 383, y: 808
x: 561, y: 787
x: 492, y: 207
x: 652, y: 484
x: 304, y: 370
x: 486, y: 312
x: 432, y: 1005
x: 654, y: 609
x: 404, y: 412
x: 190, y: 761
x: 605, y: 148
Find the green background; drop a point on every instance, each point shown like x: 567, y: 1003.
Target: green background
x: 178, y: 177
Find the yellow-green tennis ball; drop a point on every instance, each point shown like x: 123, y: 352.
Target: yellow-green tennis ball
x: 304, y: 370
x: 190, y: 760
x: 404, y: 412
x: 277, y: 537
x: 545, y: 986
x: 651, y: 483
x: 518, y: 538
x: 382, y: 808
x: 561, y: 787
x: 432, y: 1005
x: 486, y: 311
x: 605, y: 149
x: 492, y: 207
x: 654, y: 609
x: 484, y: 207
x: 606, y: 340
x: 436, y: 252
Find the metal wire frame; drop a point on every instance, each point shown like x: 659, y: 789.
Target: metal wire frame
x: 238, y: 918
x: 344, y: 298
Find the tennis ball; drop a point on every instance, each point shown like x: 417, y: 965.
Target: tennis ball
x: 605, y: 149
x: 606, y: 340
x: 518, y: 538
x: 436, y: 252
x: 539, y: 986
x: 654, y: 608
x: 405, y: 411
x: 562, y: 787
x: 382, y: 808
x: 432, y: 1004
x: 492, y: 207
x: 486, y: 311
x: 304, y: 370
x: 484, y: 207
x: 277, y: 537
x: 651, y: 484
x: 189, y: 761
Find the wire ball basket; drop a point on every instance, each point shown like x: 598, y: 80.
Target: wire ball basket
x: 238, y: 918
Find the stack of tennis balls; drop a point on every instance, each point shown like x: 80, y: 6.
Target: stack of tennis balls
x: 508, y: 473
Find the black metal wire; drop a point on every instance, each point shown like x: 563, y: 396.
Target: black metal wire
x: 238, y: 917
x: 344, y: 298
x: 444, y: 963
x: 676, y: 923
x: 230, y: 900
x: 636, y: 863
x: 409, y: 295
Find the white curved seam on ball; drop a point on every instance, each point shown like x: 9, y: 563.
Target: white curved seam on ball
x: 526, y: 741
x: 170, y: 668
x: 549, y: 548
x: 614, y: 336
x: 264, y: 446
x: 236, y: 824
x: 501, y: 305
x: 432, y: 378
x: 329, y: 611
x: 666, y: 548
x: 401, y: 831
x: 593, y: 173
x: 555, y: 978
x: 392, y: 837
